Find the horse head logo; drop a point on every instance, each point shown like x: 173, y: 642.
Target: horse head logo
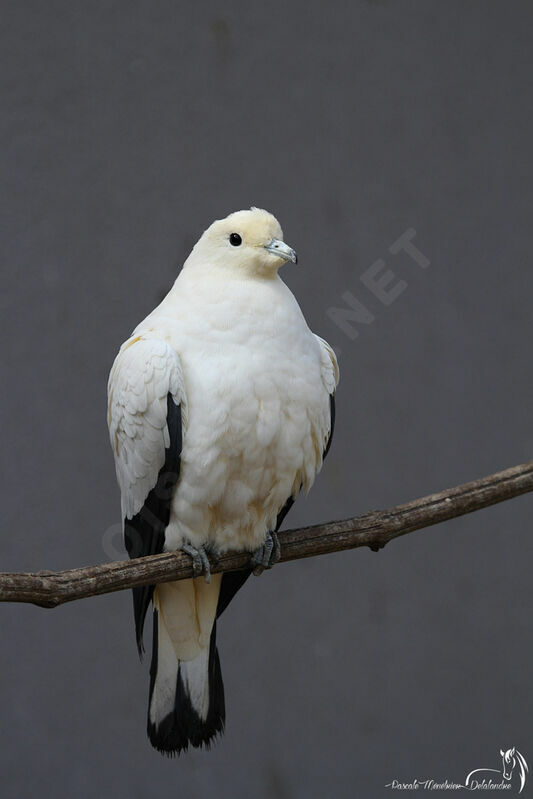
x: 512, y: 759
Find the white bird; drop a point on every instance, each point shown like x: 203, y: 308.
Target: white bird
x: 220, y: 410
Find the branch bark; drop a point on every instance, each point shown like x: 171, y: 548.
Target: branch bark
x: 373, y: 529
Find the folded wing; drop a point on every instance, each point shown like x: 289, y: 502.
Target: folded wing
x: 146, y: 414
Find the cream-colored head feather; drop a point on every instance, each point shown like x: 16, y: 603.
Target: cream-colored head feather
x: 245, y: 242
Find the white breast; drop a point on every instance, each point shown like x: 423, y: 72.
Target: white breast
x: 258, y: 407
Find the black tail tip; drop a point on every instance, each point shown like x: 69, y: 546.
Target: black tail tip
x: 183, y: 727
x: 172, y: 738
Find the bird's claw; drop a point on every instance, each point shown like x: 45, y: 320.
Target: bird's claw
x: 214, y: 553
x: 200, y: 559
x: 266, y: 555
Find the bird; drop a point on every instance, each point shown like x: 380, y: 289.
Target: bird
x: 221, y: 409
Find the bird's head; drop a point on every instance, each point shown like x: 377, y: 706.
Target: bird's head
x: 248, y: 243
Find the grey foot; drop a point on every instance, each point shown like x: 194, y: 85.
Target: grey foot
x: 266, y: 555
x: 200, y: 559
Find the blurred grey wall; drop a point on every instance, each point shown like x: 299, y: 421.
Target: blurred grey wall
x: 126, y: 128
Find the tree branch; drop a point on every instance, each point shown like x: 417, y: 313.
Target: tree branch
x: 374, y: 529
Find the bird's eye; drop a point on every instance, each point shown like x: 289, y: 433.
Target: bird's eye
x: 235, y: 239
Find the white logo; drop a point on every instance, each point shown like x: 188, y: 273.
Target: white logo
x: 514, y: 768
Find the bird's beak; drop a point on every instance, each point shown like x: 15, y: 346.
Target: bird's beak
x: 281, y: 250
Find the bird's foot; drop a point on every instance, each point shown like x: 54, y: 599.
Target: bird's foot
x: 266, y: 555
x: 200, y: 559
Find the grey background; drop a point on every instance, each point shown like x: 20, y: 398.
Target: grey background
x: 126, y: 128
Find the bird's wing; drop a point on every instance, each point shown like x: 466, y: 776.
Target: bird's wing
x: 146, y: 406
x: 330, y: 367
x: 330, y: 378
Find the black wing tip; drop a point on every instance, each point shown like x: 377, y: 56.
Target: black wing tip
x: 144, y: 533
x: 142, y: 596
x: 332, y: 424
x: 231, y: 583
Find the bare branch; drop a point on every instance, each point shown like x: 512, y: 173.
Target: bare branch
x: 373, y: 529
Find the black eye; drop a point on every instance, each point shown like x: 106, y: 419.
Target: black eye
x: 235, y: 239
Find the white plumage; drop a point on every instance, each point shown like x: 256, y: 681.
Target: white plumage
x: 230, y: 346
x: 145, y: 371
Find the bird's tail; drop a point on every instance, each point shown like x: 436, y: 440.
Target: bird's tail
x: 186, y: 705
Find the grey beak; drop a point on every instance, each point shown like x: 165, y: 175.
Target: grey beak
x: 282, y: 250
